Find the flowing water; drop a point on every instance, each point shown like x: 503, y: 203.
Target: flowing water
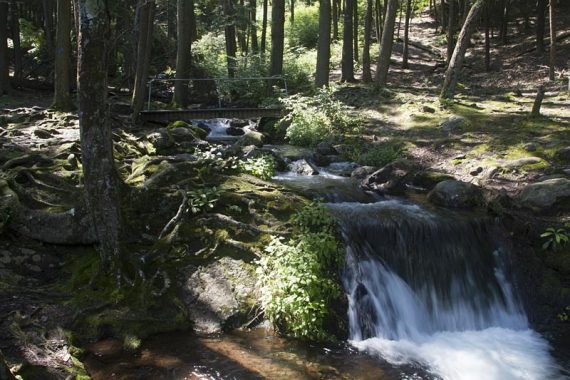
x: 433, y: 290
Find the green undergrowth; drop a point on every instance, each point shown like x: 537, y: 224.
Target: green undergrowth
x: 298, y: 276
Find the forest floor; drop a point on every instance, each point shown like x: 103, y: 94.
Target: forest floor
x: 497, y: 145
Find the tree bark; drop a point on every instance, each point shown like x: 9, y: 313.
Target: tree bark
x: 277, y: 37
x: 366, y: 71
x: 16, y: 40
x: 406, y: 52
x: 145, y: 27
x: 4, y: 60
x: 253, y: 19
x: 263, y: 46
x: 540, y: 23
x: 48, y: 25
x: 292, y: 18
x: 230, y: 35
x: 101, y: 180
x: 503, y: 32
x: 62, y: 95
x: 324, y: 44
x: 386, y: 44
x: 538, y: 101
x: 183, y: 52
x: 347, y: 63
x: 487, y: 39
x: 552, y: 66
x: 450, y: 29
x: 355, y: 31
x: 456, y: 62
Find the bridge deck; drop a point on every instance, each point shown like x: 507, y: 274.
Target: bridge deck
x: 213, y: 113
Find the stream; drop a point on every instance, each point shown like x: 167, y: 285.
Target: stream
x: 430, y: 297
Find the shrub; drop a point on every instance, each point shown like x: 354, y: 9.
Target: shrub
x: 262, y: 166
x: 305, y: 31
x: 556, y: 238
x: 381, y: 154
x: 314, y: 118
x: 298, y: 277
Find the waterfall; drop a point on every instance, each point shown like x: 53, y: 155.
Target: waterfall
x: 432, y: 290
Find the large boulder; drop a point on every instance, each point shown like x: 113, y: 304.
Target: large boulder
x: 250, y: 138
x: 455, y: 124
x: 303, y: 167
x: 428, y: 179
x: 392, y: 178
x: 221, y: 296
x: 456, y: 194
x: 543, y: 196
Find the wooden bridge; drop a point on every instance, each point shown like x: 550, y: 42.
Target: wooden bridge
x: 167, y: 116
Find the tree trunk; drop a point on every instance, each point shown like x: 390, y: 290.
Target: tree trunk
x: 540, y: 23
x: 552, y: 65
x: 292, y: 18
x: 62, y: 95
x: 347, y: 69
x: 102, y: 182
x: 324, y: 45
x: 253, y: 19
x: 366, y: 72
x: 406, y: 53
x: 450, y: 29
x: 355, y: 31
x: 378, y: 21
x: 264, y: 29
x: 538, y: 101
x: 241, y: 27
x: 335, y: 17
x: 503, y: 32
x: 16, y: 40
x: 487, y: 39
x: 277, y: 37
x: 4, y: 59
x: 183, y: 52
x: 144, y: 45
x: 48, y: 25
x: 456, y: 62
x: 386, y: 44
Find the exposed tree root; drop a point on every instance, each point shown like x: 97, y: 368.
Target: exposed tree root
x: 223, y: 220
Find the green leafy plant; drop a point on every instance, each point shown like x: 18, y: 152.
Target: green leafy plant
x: 381, y: 154
x: 556, y: 238
x: 201, y: 200
x: 305, y: 31
x: 564, y: 316
x: 313, y: 118
x: 263, y: 166
x: 298, y: 277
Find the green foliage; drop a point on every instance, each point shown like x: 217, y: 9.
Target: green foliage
x: 314, y: 118
x: 565, y: 315
x: 381, y: 154
x: 201, y: 200
x: 556, y: 238
x: 263, y: 166
x: 298, y: 277
x: 305, y: 31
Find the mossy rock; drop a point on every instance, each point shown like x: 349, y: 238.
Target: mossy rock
x: 428, y: 179
x: 195, y: 130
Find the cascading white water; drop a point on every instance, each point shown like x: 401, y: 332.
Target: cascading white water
x: 432, y: 291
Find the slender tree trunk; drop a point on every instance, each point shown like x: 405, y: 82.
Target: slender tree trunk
x: 16, y: 40
x: 538, y: 101
x: 292, y: 18
x: 406, y: 53
x: 386, y: 45
x: 264, y: 29
x: 347, y: 69
x: 102, y: 182
x: 366, y: 71
x: 435, y: 16
x: 540, y: 23
x: 277, y: 37
x: 62, y: 95
x: 456, y: 62
x: 400, y: 18
x: 487, y: 39
x: 183, y: 53
x: 144, y: 46
x: 253, y: 19
x: 230, y: 34
x: 503, y: 32
x: 48, y: 25
x: 450, y: 29
x: 335, y: 17
x: 552, y: 65
x: 4, y: 58
x: 324, y: 44
x: 378, y: 21
x: 355, y: 31
x: 241, y: 28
